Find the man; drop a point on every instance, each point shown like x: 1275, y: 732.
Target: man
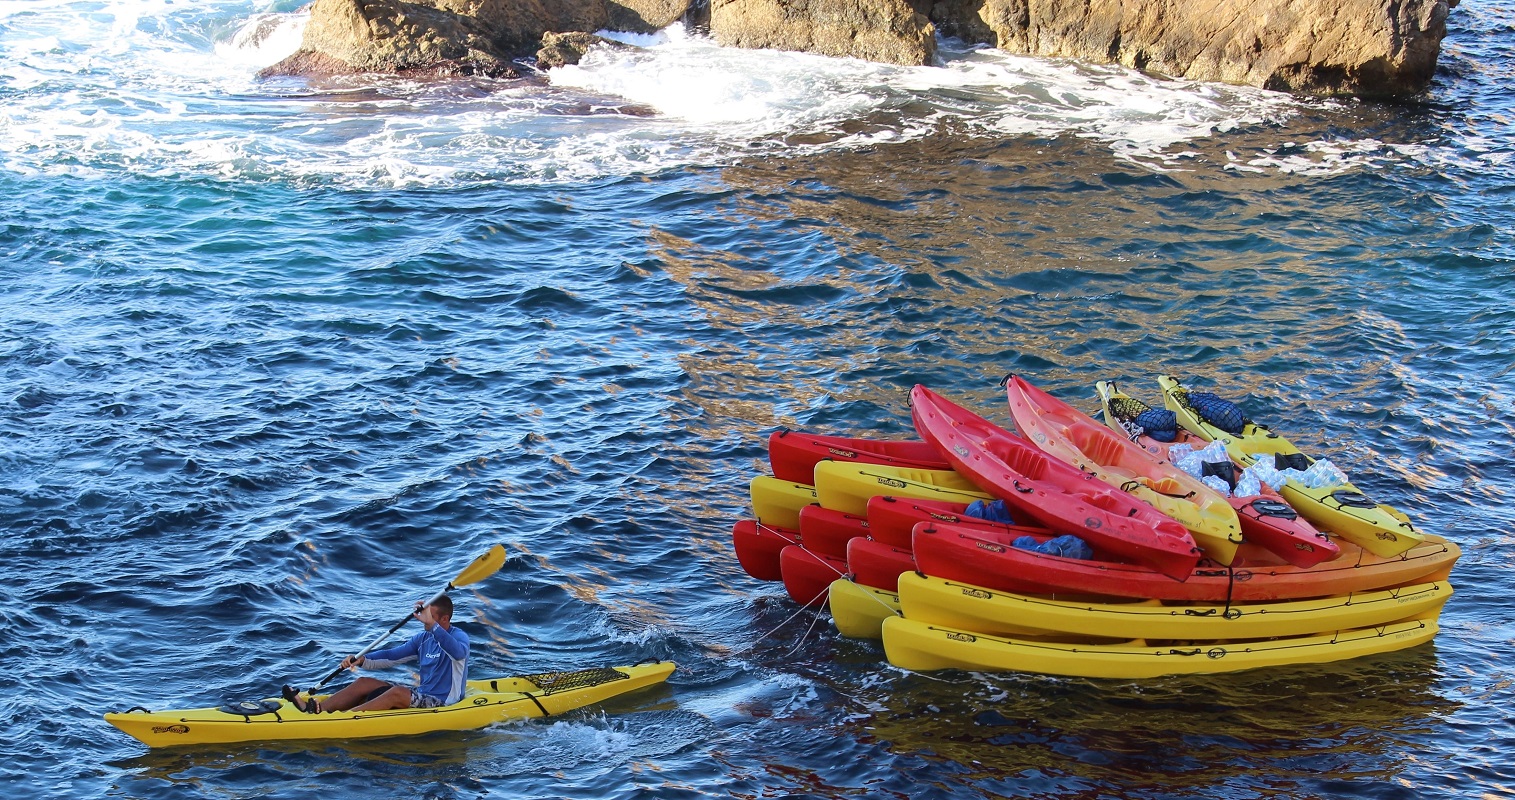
x: 442, y: 651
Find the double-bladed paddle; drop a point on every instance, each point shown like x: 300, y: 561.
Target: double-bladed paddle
x: 477, y: 570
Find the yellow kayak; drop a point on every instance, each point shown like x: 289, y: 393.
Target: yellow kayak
x: 777, y: 503
x: 859, y: 611
x: 1339, y: 508
x: 973, y: 608
x: 846, y: 486
x: 921, y: 646
x: 485, y: 702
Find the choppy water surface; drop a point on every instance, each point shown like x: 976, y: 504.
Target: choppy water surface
x: 279, y: 358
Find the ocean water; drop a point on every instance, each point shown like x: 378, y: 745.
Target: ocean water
x: 279, y: 357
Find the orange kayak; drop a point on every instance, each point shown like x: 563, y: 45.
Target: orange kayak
x: 971, y: 555
x: 1063, y: 431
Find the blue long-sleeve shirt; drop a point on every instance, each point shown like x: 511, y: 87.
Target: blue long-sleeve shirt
x: 443, y: 656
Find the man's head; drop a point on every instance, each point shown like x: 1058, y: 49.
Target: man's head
x: 441, y: 608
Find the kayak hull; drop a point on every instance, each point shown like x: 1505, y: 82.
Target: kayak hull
x: 1062, y: 431
x: 859, y: 611
x: 758, y: 546
x: 792, y: 455
x: 979, y: 610
x: 777, y: 503
x: 878, y: 565
x: 892, y: 520
x: 846, y: 487
x: 1265, y: 519
x: 827, y: 531
x: 807, y: 575
x: 1341, y: 509
x: 1054, y: 494
x: 969, y: 555
x: 920, y: 646
x: 486, y: 702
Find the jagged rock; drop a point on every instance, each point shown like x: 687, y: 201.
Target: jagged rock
x: 889, y: 31
x: 1370, y: 48
x: 559, y: 49
x: 646, y: 16
x: 448, y: 36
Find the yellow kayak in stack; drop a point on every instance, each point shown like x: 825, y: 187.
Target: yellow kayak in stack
x: 973, y: 608
x: 846, y: 486
x: 776, y: 503
x: 485, y: 702
x: 1340, y: 508
x: 921, y: 646
x: 859, y: 611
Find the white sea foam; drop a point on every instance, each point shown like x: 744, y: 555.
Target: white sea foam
x: 157, y: 87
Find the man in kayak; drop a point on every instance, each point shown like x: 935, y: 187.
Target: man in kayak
x: 442, y: 651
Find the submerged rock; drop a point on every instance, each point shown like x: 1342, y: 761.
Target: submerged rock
x: 1369, y: 48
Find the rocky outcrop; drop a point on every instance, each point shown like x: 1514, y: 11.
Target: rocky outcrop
x: 1369, y: 48
x: 454, y: 36
x: 560, y: 49
x: 889, y: 31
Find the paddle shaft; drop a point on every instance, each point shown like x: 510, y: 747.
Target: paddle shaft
x: 477, y: 570
x: 376, y: 643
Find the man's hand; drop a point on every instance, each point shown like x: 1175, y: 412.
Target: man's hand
x: 423, y: 613
x: 352, y: 662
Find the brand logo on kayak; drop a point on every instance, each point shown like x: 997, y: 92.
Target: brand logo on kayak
x: 991, y: 547
x: 1092, y: 522
x: 893, y: 483
x: 978, y: 593
x: 170, y: 729
x: 481, y: 701
x: 836, y: 451
x: 961, y: 450
x: 961, y: 637
x: 945, y: 517
x: 1387, y: 536
x: 1216, y: 652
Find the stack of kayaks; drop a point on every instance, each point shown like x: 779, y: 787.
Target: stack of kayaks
x: 1077, y: 547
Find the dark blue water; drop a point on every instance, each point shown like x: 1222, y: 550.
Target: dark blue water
x: 279, y: 359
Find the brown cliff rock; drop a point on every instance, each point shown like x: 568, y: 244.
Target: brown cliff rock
x: 1370, y: 48
x: 888, y: 31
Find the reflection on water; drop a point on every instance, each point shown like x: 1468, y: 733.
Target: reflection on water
x: 1345, y: 721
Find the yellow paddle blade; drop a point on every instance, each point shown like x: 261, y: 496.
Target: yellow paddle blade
x: 482, y: 567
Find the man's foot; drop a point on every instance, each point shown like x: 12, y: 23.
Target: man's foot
x: 309, y: 705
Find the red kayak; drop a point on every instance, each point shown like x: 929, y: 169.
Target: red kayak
x: 892, y: 519
x: 808, y: 576
x: 827, y: 531
x: 1062, y: 431
x: 793, y: 454
x: 1056, y: 495
x: 1266, y: 519
x: 878, y: 565
x: 969, y: 555
x: 757, y: 547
